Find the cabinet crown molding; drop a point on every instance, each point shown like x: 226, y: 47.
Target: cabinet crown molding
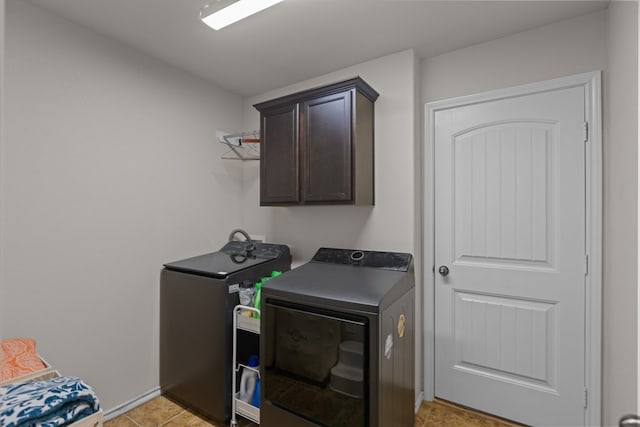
x: 356, y: 83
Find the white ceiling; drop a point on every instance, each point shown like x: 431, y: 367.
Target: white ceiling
x: 300, y: 39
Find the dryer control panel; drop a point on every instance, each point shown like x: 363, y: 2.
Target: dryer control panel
x: 397, y: 261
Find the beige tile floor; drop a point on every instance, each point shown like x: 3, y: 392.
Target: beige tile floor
x: 442, y: 413
x: 162, y: 412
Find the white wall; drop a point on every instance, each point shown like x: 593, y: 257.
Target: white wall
x: 620, y: 334
x: 602, y: 41
x: 109, y: 168
x: 390, y: 224
x: 568, y: 47
x: 2, y: 7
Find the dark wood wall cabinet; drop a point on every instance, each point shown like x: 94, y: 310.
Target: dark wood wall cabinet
x: 317, y: 146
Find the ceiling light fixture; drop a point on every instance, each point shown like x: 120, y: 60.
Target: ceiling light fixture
x: 221, y: 13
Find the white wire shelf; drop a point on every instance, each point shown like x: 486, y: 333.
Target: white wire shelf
x: 242, y: 145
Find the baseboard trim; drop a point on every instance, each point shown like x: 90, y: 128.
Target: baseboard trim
x: 129, y: 405
x: 155, y: 392
x: 419, y: 400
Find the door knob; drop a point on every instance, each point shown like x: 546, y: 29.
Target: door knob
x: 630, y: 420
x: 443, y: 270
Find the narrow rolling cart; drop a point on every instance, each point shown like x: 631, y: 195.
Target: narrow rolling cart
x: 250, y: 324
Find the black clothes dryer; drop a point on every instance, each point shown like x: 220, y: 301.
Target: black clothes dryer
x: 338, y: 342
x: 197, y: 296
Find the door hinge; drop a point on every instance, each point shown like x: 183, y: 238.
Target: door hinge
x: 585, y: 131
x: 586, y: 264
x: 586, y: 398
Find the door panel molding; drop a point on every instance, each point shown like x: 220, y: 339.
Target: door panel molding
x: 591, y: 84
x: 499, y: 184
x: 523, y: 324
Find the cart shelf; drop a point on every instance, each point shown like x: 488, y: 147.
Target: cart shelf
x: 250, y: 324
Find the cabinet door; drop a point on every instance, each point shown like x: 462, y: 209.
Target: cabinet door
x: 325, y: 142
x: 279, y: 165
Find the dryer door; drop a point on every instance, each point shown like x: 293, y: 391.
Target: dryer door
x: 316, y: 364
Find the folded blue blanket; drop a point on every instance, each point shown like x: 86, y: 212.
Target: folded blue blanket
x: 51, y: 403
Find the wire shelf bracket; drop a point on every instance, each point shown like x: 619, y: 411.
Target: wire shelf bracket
x: 242, y: 145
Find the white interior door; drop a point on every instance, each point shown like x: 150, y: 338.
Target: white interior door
x: 510, y: 229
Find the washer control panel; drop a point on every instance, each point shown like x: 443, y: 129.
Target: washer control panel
x: 254, y: 249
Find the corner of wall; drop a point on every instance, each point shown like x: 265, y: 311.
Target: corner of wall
x: 620, y: 193
x: 2, y: 26
x: 418, y: 166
